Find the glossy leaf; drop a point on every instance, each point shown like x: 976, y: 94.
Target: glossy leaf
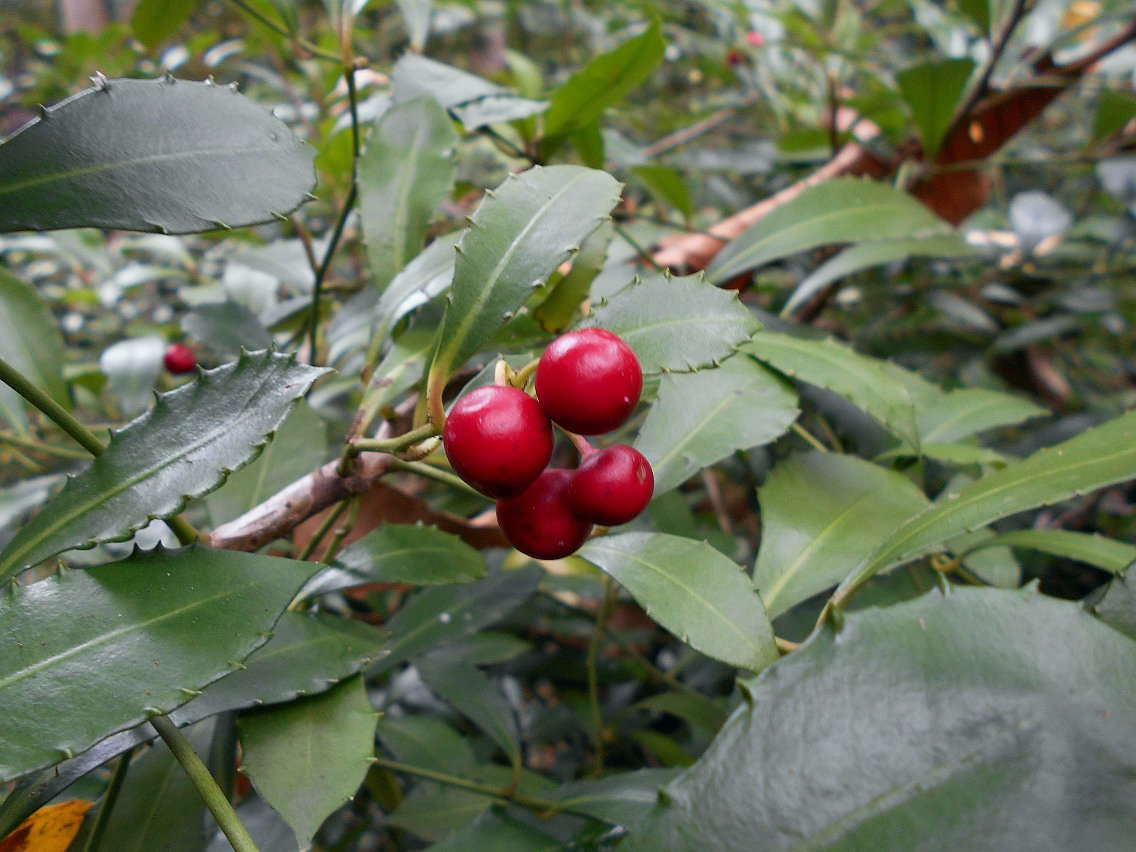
x: 877, y: 737
x: 406, y: 170
x: 427, y: 275
x: 472, y: 101
x: 300, y: 446
x: 603, y: 82
x: 559, y: 308
x: 309, y: 757
x: 693, y: 591
x: 841, y: 210
x: 945, y: 417
x: 408, y: 553
x: 152, y: 155
x: 865, y: 255
x: 623, y: 799
x: 157, y: 806
x: 1100, y: 456
x: 819, y: 513
x: 861, y: 380
x: 401, y: 368
x: 933, y: 90
x: 676, y: 323
x: 519, y: 235
x: 182, y: 448
x: 703, y: 417
x: 1105, y: 553
x: 443, y: 614
x: 104, y: 648
x: 30, y: 341
x: 305, y: 656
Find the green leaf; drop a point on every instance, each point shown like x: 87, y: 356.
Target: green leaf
x: 693, y: 591
x: 863, y: 381
x: 947, y: 417
x: 1100, y: 456
x: 30, y: 341
x: 819, y: 513
x: 668, y: 184
x: 416, y: 17
x: 1114, y: 110
x: 703, y: 417
x: 473, y: 101
x: 624, y: 799
x: 933, y: 90
x: 1117, y: 606
x: 949, y: 722
x: 1092, y: 549
x: 401, y: 368
x: 226, y: 328
x: 407, y: 553
x: 603, y: 82
x: 150, y: 155
x: 589, y: 144
x: 429, y: 274
x: 158, y: 807
x: 978, y: 11
x: 182, y: 448
x: 157, y: 21
x: 519, y: 235
x: 498, y: 832
x: 434, y: 811
x: 89, y: 653
x: 841, y: 210
x: 462, y: 685
x: 558, y: 309
x: 443, y: 614
x: 300, y: 446
x: 676, y: 324
x: 865, y: 255
x: 309, y: 757
x: 427, y: 742
x: 406, y: 170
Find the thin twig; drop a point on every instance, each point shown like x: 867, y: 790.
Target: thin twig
x: 609, y: 597
x: 102, y: 818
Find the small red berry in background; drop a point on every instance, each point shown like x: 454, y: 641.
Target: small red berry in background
x: 734, y: 58
x: 755, y: 38
x: 498, y: 440
x: 589, y: 381
x: 539, y: 522
x: 179, y: 359
x: 612, y: 486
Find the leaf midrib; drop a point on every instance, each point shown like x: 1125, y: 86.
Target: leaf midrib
x: 699, y: 426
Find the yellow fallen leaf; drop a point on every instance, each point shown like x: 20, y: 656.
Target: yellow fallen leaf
x: 50, y: 829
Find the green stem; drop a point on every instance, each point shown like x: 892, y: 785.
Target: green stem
x: 279, y: 29
x: 647, y: 257
x: 809, y: 437
x: 390, y: 445
x: 185, y: 531
x: 323, y: 530
x: 217, y: 802
x: 593, y: 675
x: 437, y: 474
x: 543, y: 807
x: 341, y: 532
x: 94, y: 838
x: 55, y: 412
x: 40, y: 447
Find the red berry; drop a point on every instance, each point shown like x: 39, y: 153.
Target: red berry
x: 498, y: 440
x: 612, y: 486
x: 180, y: 359
x: 589, y: 381
x: 539, y: 522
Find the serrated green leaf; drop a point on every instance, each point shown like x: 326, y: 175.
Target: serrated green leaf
x: 157, y: 21
x: 693, y: 591
x: 151, y: 155
x: 406, y: 170
x: 701, y: 418
x: 933, y: 91
x: 300, y: 446
x: 603, y: 82
x: 1105, y: 553
x: 100, y: 649
x: 950, y: 722
x: 558, y: 309
x: 158, y: 807
x: 518, y: 237
x: 865, y: 255
x: 308, y: 758
x: 841, y: 210
x: 443, y: 614
x: 863, y: 381
x: 408, y: 553
x: 226, y: 328
x: 1100, y: 456
x: 946, y: 417
x: 819, y: 513
x: 180, y: 449
x: 30, y: 341
x: 473, y: 101
x: 676, y: 324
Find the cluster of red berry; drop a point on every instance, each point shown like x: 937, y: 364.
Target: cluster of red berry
x: 499, y: 440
